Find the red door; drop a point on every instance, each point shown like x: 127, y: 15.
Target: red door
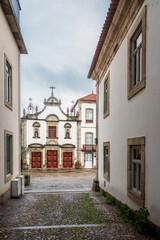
x: 52, y: 159
x: 36, y: 160
x: 67, y: 159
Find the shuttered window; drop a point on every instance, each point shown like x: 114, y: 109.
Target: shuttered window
x: 52, y: 131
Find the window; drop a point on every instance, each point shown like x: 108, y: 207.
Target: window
x: 137, y: 56
x: 106, y: 154
x: 89, y: 138
x: 8, y: 84
x: 106, y: 96
x: 8, y: 155
x: 89, y: 115
x: 136, y: 171
x: 52, y: 132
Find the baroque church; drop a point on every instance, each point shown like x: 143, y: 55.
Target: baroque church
x: 50, y: 137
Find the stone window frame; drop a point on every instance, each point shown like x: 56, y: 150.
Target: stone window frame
x: 140, y: 23
x: 106, y: 176
x: 89, y: 121
x: 137, y: 198
x: 8, y: 177
x: 106, y: 113
x: 7, y: 104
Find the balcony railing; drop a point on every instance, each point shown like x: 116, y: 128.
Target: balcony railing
x: 89, y: 147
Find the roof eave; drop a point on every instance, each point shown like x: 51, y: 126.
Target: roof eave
x: 12, y: 21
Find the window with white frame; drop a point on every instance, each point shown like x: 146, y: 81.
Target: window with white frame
x: 136, y: 170
x: 89, y: 138
x: 89, y: 115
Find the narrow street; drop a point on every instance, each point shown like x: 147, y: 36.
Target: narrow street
x: 62, y: 206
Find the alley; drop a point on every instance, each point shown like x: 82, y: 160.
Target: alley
x: 77, y: 214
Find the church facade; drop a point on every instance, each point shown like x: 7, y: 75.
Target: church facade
x: 50, y: 138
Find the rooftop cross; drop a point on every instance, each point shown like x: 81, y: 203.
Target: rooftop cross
x: 52, y: 91
x: 30, y: 99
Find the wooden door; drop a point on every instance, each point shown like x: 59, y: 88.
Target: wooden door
x: 36, y: 159
x: 67, y: 159
x: 52, y: 159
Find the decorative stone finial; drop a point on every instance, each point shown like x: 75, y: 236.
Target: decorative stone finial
x: 52, y: 95
x: 36, y: 109
x: 24, y: 112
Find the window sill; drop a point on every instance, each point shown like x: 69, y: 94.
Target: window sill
x: 36, y: 137
x: 9, y: 106
x: 8, y: 177
x: 107, y: 177
x: 52, y: 137
x: 106, y: 114
x: 136, y: 89
x: 137, y: 198
x: 67, y: 138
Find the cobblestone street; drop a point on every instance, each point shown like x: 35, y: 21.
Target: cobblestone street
x: 64, y: 215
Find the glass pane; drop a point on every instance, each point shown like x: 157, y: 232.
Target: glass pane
x: 106, y: 96
x: 139, y: 177
x: 134, y: 174
x: 139, y: 40
x: 8, y: 153
x: 89, y: 114
x: 89, y: 138
x: 106, y: 159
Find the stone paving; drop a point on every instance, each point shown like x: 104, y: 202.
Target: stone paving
x: 64, y: 215
x: 76, y: 180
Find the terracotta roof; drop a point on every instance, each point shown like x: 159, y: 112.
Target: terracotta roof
x: 105, y: 29
x: 91, y: 97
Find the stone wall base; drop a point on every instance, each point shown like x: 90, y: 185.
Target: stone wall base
x: 5, y: 196
x: 154, y: 229
x: 95, y: 186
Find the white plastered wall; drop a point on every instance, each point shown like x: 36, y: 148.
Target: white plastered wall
x: 134, y: 118
x: 9, y: 120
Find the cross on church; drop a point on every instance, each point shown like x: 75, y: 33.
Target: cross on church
x: 30, y: 99
x: 52, y: 91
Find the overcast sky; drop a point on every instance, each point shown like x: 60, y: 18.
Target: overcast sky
x: 61, y: 38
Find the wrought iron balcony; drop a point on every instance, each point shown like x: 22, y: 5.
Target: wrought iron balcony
x: 89, y: 147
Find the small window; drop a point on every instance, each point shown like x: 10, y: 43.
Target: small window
x: 106, y: 153
x: 89, y: 115
x: 8, y: 84
x: 8, y: 155
x: 137, y: 56
x: 89, y: 138
x: 136, y: 171
x: 106, y: 96
x: 52, y: 131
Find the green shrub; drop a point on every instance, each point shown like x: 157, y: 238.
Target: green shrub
x: 110, y: 201
x: 125, y: 213
x: 25, y: 173
x: 140, y: 219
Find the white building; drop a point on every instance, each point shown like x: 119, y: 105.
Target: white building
x: 51, y: 137
x: 126, y: 68
x: 11, y: 46
x: 86, y: 107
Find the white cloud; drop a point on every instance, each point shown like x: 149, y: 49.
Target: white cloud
x: 61, y: 38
